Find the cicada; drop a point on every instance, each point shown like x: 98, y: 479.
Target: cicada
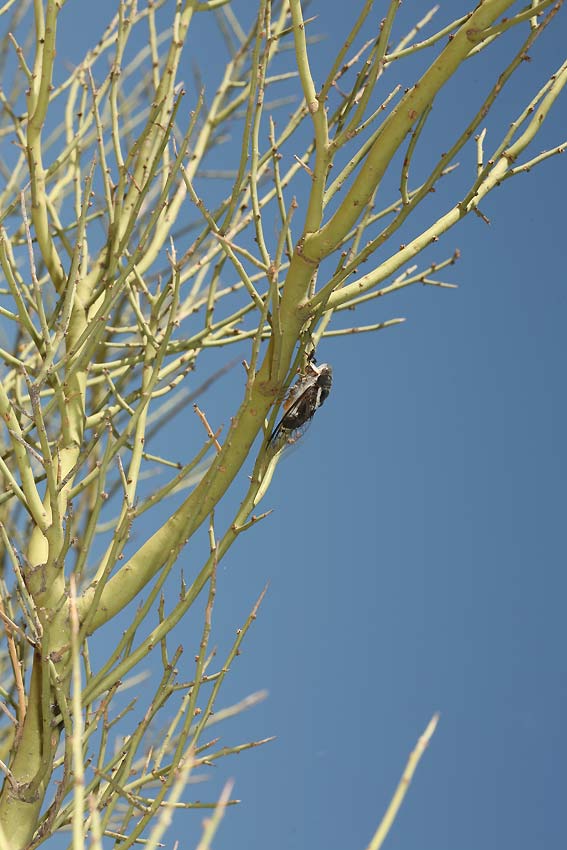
x: 303, y: 400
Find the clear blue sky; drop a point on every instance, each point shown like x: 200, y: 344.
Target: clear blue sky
x: 416, y: 553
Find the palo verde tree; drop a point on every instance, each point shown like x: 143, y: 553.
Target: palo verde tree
x: 109, y: 300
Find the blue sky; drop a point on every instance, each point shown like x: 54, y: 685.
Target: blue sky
x: 416, y: 556
x: 416, y: 553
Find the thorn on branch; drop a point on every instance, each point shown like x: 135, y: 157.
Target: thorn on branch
x: 481, y: 215
x: 303, y: 165
x: 208, y: 428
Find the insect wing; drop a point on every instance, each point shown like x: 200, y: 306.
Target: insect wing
x: 283, y: 426
x: 291, y: 405
x: 297, y: 391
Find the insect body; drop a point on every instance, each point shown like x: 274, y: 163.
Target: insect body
x: 303, y: 400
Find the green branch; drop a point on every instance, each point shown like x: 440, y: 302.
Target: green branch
x: 396, y: 126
